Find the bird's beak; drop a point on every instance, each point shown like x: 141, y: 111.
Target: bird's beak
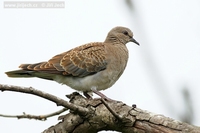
x: 133, y: 40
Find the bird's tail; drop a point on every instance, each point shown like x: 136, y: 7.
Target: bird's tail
x: 20, y: 73
x: 29, y: 74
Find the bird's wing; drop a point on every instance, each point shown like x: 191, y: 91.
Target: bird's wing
x: 80, y: 61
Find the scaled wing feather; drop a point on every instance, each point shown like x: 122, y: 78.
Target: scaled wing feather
x: 80, y: 61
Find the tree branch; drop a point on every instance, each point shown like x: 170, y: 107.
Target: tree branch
x: 36, y: 117
x: 120, y: 118
x: 58, y: 101
x: 111, y: 115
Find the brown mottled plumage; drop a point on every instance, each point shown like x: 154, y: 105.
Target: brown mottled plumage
x: 79, y: 62
x: 90, y: 67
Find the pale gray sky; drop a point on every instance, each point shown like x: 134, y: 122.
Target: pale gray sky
x: 157, y: 71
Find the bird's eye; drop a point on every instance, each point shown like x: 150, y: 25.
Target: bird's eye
x: 125, y: 33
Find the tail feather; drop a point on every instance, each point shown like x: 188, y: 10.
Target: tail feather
x: 19, y: 73
x: 28, y: 74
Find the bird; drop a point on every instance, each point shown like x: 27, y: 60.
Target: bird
x: 91, y: 67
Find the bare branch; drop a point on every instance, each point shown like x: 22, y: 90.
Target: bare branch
x: 57, y: 100
x: 36, y: 117
x: 117, y: 116
x: 93, y: 115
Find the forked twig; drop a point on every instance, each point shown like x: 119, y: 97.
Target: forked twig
x: 36, y: 117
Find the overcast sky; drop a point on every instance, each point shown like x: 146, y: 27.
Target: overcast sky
x: 166, y: 62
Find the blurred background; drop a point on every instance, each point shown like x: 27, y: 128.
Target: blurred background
x: 162, y: 75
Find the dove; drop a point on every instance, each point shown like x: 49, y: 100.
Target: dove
x: 91, y: 67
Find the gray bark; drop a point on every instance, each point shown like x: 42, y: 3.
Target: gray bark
x: 116, y: 117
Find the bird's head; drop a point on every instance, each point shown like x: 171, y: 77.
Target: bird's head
x: 120, y: 34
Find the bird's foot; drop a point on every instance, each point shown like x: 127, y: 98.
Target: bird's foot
x: 88, y: 96
x: 101, y: 94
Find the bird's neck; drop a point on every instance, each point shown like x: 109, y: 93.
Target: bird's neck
x: 112, y: 39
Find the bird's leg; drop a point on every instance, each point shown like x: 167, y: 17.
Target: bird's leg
x: 100, y: 94
x: 85, y: 93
